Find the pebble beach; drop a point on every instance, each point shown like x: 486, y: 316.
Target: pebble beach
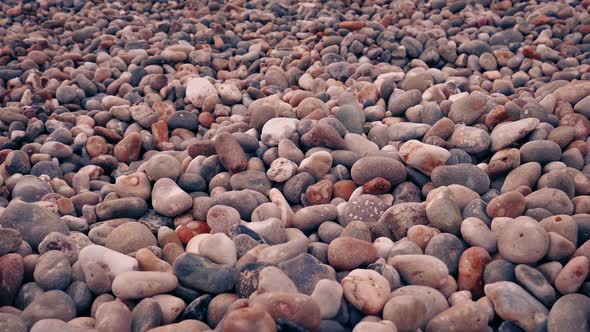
x: 295, y: 166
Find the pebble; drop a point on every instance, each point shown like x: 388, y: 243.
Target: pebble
x: 442, y: 210
x: 471, y: 270
x: 523, y: 241
x: 506, y: 134
x: 328, y: 295
x: 434, y: 301
x: 297, y: 308
x: 231, y: 155
x: 534, y: 281
x: 249, y: 319
x: 11, y: 239
x: 368, y: 168
x: 142, y: 284
x: 573, y: 274
x: 570, y: 312
x: 11, y: 276
x: 424, y: 157
x: 169, y: 199
x: 399, y: 218
x: 146, y: 315
x: 113, y: 316
x: 339, y: 253
x: 200, y: 273
x: 466, y: 175
x: 113, y: 262
x: 51, y: 304
x: 53, y: 271
x: 32, y: 222
x: 512, y: 302
x: 468, y: 315
x: 366, y: 290
x: 421, y: 270
x: 407, y: 312
x: 130, y: 237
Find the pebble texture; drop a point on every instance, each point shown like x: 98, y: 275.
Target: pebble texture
x: 294, y: 165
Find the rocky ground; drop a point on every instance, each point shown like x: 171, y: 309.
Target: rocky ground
x: 366, y: 166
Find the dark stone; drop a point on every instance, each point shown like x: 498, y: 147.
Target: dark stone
x: 305, y: 271
x: 200, y: 273
x: 197, y: 309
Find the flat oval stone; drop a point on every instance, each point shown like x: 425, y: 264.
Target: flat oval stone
x: 347, y: 253
x: 467, y: 175
x: 551, y: 199
x: 127, y: 207
x: 114, y: 263
x: 512, y: 302
x: 368, y: 168
x: 31, y: 189
x: 471, y: 270
x: 311, y: 217
x: 399, y: 218
x: 468, y: 108
x: 524, y: 175
x: 572, y: 275
x: 507, y: 133
x: 541, y: 151
x: 470, y: 139
x: 142, y: 284
x: 534, y: 282
x: 423, y: 270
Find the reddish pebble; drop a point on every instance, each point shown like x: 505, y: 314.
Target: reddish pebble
x: 377, y: 186
x: 471, y: 267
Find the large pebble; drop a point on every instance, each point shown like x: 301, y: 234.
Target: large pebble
x: 424, y: 157
x: 366, y: 290
x: 200, y: 273
x: 169, y: 199
x: 423, y: 270
x: 32, y: 221
x: 512, y: 302
x: 142, y: 284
